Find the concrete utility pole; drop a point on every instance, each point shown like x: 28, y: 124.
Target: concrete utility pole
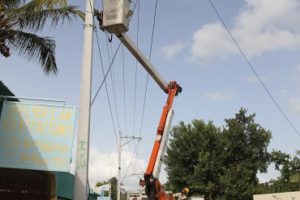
x: 81, y: 189
x: 120, y: 145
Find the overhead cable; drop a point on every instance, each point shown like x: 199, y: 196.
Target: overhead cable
x: 150, y: 55
x: 253, y: 70
x: 136, y: 64
x: 112, y: 78
x: 124, y: 89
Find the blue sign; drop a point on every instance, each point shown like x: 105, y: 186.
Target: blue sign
x: 36, y: 137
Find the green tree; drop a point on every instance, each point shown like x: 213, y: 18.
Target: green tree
x: 193, y: 158
x: 245, y: 148
x: 219, y: 163
x: 113, y: 182
x: 289, y: 168
x: 289, y: 179
x: 113, y: 186
x: 19, y: 23
x: 187, y: 144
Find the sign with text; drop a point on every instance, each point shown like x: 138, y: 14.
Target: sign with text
x: 36, y: 137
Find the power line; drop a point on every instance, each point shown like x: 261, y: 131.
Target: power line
x: 135, y: 5
x: 136, y: 64
x: 254, y: 71
x: 108, y: 70
x: 153, y: 29
x: 112, y: 73
x: 146, y: 86
x: 105, y: 75
x: 104, y: 80
x: 150, y: 55
x: 147, y: 80
x: 124, y: 89
x: 138, y: 6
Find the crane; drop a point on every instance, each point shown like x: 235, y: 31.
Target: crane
x: 115, y: 19
x: 151, y: 177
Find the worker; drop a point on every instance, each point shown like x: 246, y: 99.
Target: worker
x: 183, y: 194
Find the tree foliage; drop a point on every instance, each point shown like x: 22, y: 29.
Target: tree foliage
x: 20, y: 21
x: 113, y: 186
x: 289, y: 168
x: 113, y: 181
x: 220, y: 163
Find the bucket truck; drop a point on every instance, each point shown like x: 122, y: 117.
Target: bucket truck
x: 115, y: 19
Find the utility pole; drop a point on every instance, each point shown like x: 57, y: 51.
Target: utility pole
x: 81, y: 189
x: 120, y: 145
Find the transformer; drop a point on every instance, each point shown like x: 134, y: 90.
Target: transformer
x: 116, y: 16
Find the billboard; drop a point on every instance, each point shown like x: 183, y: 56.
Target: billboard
x: 36, y: 137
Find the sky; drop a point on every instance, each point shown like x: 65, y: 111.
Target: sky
x: 191, y: 46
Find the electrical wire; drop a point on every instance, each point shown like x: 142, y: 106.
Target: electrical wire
x: 254, y: 71
x: 147, y: 77
x: 146, y: 87
x: 105, y: 76
x: 104, y: 80
x: 106, y: 89
x: 153, y: 29
x: 135, y: 5
x: 113, y: 85
x: 109, y: 69
x: 129, y: 165
x: 138, y: 6
x: 147, y: 80
x: 136, y: 65
x: 124, y: 89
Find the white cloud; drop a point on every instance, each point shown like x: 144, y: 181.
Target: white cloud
x: 103, y: 166
x: 217, y: 96
x: 254, y: 79
x: 283, y: 93
x: 292, y: 101
x: 298, y: 68
x: 170, y: 51
x: 294, y: 104
x: 210, y: 40
x: 261, y: 26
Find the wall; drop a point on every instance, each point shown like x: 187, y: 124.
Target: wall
x: 278, y: 196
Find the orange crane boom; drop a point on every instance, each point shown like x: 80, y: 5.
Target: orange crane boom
x: 115, y: 19
x: 153, y: 188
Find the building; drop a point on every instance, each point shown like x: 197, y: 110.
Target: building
x: 278, y: 196
x: 27, y: 170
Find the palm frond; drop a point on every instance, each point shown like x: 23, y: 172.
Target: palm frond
x: 16, y: 17
x: 42, y: 4
x: 37, y: 19
x: 9, y: 3
x: 34, y: 47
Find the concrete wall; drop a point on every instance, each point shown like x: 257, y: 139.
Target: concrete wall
x: 196, y: 198
x: 278, y: 196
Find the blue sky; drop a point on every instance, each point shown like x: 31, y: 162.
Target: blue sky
x: 192, y: 47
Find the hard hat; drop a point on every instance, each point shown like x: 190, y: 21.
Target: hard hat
x: 185, y: 190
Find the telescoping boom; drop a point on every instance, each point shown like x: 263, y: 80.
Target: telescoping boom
x: 115, y: 19
x: 153, y: 187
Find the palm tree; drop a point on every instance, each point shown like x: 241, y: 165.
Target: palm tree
x: 20, y: 21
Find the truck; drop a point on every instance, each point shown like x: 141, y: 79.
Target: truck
x: 114, y: 19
